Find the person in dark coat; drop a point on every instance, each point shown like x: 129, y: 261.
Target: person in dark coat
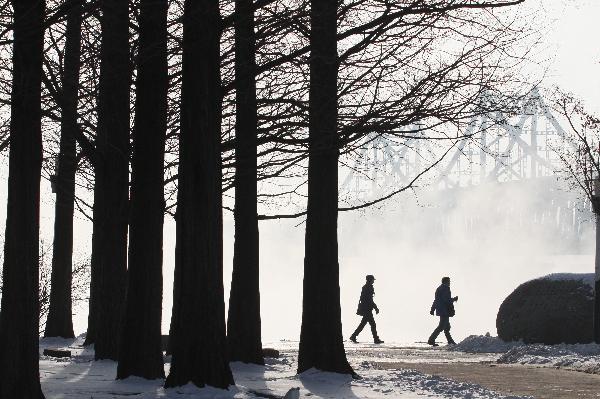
x: 443, y: 306
x: 365, y: 309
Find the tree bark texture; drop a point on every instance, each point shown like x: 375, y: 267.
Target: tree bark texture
x: 198, y: 342
x: 111, y: 190
x: 60, y: 320
x: 19, y: 317
x: 243, y: 323
x: 141, y: 352
x: 321, y: 341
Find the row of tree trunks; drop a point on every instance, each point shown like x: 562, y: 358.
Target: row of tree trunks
x: 141, y: 352
x: 199, y: 228
x: 111, y: 189
x: 243, y: 322
x: 198, y: 342
x: 19, y: 317
x: 321, y: 340
x: 60, y: 320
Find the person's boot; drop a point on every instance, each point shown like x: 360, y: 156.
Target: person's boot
x: 378, y: 341
x: 450, y: 339
x: 353, y: 339
x: 432, y: 343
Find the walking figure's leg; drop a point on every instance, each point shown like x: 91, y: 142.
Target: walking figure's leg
x: 447, y: 332
x: 441, y: 326
x: 371, y: 321
x: 360, y: 327
x: 374, y: 330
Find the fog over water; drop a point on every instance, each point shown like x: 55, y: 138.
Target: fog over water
x: 408, y: 250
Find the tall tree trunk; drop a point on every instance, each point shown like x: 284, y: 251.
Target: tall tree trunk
x: 243, y: 324
x: 60, y: 321
x: 198, y: 342
x: 109, y: 247
x: 141, y: 352
x: 19, y: 318
x: 321, y: 341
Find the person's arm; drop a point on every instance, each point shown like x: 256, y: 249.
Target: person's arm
x: 452, y: 300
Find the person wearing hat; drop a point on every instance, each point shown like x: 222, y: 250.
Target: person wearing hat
x: 365, y: 309
x: 443, y: 306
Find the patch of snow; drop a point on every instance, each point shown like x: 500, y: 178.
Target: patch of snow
x: 581, y: 357
x: 586, y: 278
x: 484, y: 344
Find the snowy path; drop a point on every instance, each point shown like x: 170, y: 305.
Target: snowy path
x: 80, y: 377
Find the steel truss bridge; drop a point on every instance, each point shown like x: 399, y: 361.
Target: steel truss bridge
x: 517, y: 150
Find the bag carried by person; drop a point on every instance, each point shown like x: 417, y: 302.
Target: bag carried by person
x: 451, y: 311
x: 358, y: 309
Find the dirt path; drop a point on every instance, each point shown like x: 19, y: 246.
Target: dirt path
x: 541, y: 383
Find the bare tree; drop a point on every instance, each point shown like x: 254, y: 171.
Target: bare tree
x: 321, y: 341
x: 198, y: 341
x: 435, y: 94
x: 243, y: 323
x: 400, y: 64
x: 579, y: 152
x: 111, y: 188
x: 141, y: 352
x: 19, y: 321
x: 60, y: 321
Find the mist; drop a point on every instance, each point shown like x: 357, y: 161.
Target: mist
x: 488, y: 240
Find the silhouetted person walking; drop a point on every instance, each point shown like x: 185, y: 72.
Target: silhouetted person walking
x: 365, y: 309
x: 443, y: 306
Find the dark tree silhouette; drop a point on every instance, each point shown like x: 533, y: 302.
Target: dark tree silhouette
x: 141, y: 352
x: 321, y: 341
x: 60, y: 321
x: 243, y: 322
x: 109, y: 241
x: 198, y: 342
x: 19, y: 323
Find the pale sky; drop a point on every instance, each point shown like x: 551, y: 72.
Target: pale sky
x: 573, y: 29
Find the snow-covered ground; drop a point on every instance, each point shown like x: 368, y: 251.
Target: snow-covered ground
x: 81, y: 377
x: 579, y: 357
